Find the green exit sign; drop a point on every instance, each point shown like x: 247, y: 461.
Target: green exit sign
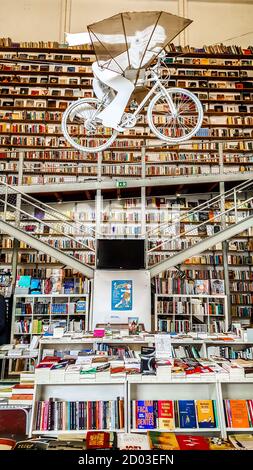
x: 121, y: 184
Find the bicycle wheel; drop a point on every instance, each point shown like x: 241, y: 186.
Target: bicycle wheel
x: 83, y: 130
x: 178, y: 126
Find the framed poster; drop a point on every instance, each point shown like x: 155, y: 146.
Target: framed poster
x: 122, y: 295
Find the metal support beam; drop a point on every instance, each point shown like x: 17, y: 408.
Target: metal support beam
x: 225, y: 247
x: 66, y: 260
x: 202, y: 246
x: 16, y: 244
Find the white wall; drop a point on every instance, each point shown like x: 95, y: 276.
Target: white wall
x: 214, y: 20
x: 141, y: 300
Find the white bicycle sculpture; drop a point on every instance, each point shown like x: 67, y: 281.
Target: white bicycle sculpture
x: 174, y: 115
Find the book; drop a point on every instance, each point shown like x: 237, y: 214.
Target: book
x: 187, y: 415
x: 217, y: 443
x: 201, y: 286
x: 217, y: 286
x: 99, y: 440
x: 148, y: 360
x: 163, y: 440
x: 239, y: 414
x: 165, y: 414
x: 133, y: 325
x: 205, y: 414
x: 132, y: 441
x: 189, y: 442
x: 242, y: 441
x: 145, y: 414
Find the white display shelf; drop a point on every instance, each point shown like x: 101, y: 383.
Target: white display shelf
x: 247, y: 430
x: 179, y: 430
x: 49, y: 296
x: 72, y: 432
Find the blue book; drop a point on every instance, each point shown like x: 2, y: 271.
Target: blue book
x: 187, y: 414
x: 145, y: 414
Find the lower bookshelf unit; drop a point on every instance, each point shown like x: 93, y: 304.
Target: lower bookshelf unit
x: 148, y: 388
x: 78, y: 392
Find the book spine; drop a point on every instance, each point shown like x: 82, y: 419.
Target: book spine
x: 38, y: 415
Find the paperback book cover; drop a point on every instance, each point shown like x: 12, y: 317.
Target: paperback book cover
x: 133, y: 325
x: 217, y: 286
x: 145, y: 414
x: 187, y: 415
x: 205, y: 414
x: 163, y: 440
x: 201, y: 286
x: 239, y: 414
x: 242, y: 441
x: 165, y: 414
x: 99, y: 440
x: 188, y: 442
x: 131, y: 441
x: 148, y: 360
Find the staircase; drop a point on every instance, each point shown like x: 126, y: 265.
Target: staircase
x: 194, y: 231
x: 40, y: 226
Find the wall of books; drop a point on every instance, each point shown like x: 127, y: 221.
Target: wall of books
x: 37, y: 83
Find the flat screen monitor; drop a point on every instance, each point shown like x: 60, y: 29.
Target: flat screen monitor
x: 120, y: 254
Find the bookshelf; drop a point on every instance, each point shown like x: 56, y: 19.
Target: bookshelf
x: 88, y: 391
x: 37, y: 314
x: 136, y: 216
x: 183, y: 313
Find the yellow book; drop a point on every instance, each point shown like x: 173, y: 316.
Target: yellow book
x: 163, y: 440
x: 205, y: 414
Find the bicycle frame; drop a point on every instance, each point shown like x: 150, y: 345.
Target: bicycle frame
x: 159, y: 85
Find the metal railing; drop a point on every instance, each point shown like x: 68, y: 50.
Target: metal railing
x: 47, y: 223
x: 168, y: 238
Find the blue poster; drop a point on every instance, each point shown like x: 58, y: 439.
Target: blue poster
x: 122, y: 295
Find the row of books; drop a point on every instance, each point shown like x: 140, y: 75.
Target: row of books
x: 50, y: 308
x: 168, y: 414
x: 77, y: 174
x: 152, y: 440
x: 50, y: 80
x: 229, y: 352
x: 211, y: 49
x: 185, y: 326
x: 176, y: 285
x: 239, y: 413
x: 194, y: 307
x: 79, y: 415
x: 241, y: 312
x: 53, y: 283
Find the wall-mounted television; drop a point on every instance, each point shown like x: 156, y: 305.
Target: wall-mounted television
x: 120, y: 254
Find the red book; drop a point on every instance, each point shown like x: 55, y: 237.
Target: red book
x: 97, y: 440
x: 23, y: 386
x: 50, y: 359
x: 189, y: 442
x: 22, y: 396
